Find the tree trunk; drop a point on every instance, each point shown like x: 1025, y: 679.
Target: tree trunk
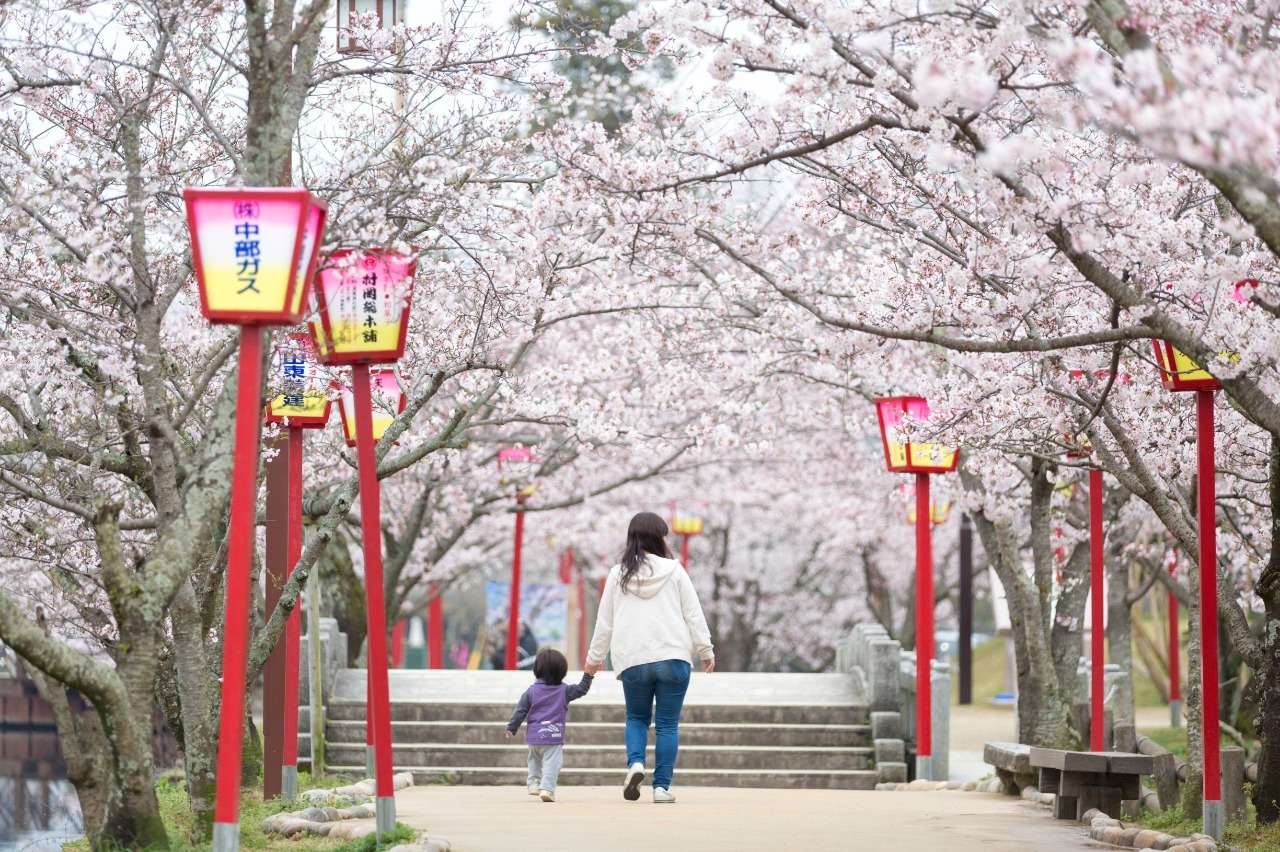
x: 1068, y: 622
x: 1266, y: 685
x: 84, y: 749
x: 1193, y: 789
x: 1119, y: 629
x: 193, y: 681
x: 1043, y: 711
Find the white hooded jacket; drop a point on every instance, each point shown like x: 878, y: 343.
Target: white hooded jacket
x: 657, y: 618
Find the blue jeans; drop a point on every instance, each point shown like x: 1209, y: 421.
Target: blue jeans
x: 665, y: 683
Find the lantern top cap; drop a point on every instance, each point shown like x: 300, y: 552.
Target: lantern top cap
x: 515, y: 454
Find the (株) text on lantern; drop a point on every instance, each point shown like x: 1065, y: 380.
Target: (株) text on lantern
x: 253, y: 250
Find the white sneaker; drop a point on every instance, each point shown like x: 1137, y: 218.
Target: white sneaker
x: 662, y: 797
x: 533, y: 788
x: 635, y: 775
x: 547, y: 795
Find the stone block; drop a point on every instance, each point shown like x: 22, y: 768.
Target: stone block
x: 886, y: 725
x: 884, y: 674
x: 940, y: 699
x: 891, y: 771
x: 890, y: 751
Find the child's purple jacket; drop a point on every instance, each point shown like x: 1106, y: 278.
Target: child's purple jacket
x: 546, y: 707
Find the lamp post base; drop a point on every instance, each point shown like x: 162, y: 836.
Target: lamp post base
x: 1213, y: 819
x: 370, y: 762
x: 226, y: 837
x: 1175, y: 713
x: 289, y: 783
x: 385, y: 820
x: 924, y: 767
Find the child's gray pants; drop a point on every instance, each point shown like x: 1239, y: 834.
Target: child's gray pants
x: 544, y: 765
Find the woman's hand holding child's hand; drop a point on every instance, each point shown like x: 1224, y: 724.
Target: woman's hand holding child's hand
x: 591, y: 668
x: 508, y: 735
x: 709, y: 665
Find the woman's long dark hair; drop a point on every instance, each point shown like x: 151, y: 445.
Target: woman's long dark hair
x: 646, y: 534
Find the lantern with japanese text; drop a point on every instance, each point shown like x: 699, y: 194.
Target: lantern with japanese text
x: 254, y: 251
x: 388, y: 400
x: 362, y: 300
x: 904, y: 456
x: 298, y: 388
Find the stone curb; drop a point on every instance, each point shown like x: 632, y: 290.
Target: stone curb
x: 325, y: 817
x: 1107, y: 830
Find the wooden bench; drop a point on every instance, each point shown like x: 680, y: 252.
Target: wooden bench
x: 1081, y: 780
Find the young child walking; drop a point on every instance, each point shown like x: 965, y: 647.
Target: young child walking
x: 546, y: 704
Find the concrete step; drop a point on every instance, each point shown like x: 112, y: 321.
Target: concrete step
x: 486, y: 714
x: 611, y: 733
x: 853, y: 779
x: 759, y: 758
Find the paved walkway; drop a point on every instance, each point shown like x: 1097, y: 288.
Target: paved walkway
x: 712, y: 819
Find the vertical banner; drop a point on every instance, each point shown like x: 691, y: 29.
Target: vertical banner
x: 544, y: 613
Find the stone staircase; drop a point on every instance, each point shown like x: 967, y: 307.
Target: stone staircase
x: 737, y: 730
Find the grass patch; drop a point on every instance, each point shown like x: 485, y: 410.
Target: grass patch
x: 1247, y: 836
x: 988, y: 677
x: 1173, y: 739
x: 179, y: 822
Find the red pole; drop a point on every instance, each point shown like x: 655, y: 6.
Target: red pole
x: 397, y: 643
x: 435, y: 630
x: 513, y: 625
x: 582, y: 620
x: 240, y: 543
x: 1207, y: 515
x: 684, y: 552
x: 293, y: 629
x: 1175, y: 661
x: 1098, y: 634
x: 924, y: 631
x: 375, y: 609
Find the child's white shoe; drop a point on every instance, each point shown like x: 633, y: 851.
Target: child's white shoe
x: 533, y: 788
x: 662, y: 797
x: 547, y: 795
x: 631, y: 791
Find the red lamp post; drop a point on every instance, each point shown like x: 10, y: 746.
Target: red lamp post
x: 922, y: 459
x: 435, y: 629
x: 516, y: 466
x: 386, y: 397
x: 301, y: 404
x: 253, y: 250
x: 686, y: 522
x: 363, y: 299
x: 1180, y: 374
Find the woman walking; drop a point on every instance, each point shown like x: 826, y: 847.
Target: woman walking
x: 649, y: 619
